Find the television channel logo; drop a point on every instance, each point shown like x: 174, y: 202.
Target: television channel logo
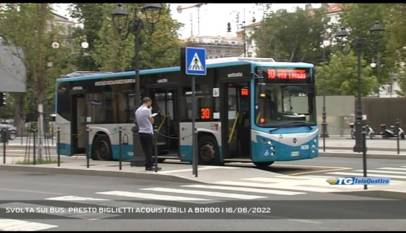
x: 358, y: 180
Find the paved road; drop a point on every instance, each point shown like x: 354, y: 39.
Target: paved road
x: 296, y: 202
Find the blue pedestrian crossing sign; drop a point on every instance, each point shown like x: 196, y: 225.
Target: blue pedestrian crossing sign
x: 195, y: 61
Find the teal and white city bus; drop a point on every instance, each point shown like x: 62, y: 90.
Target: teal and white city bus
x: 248, y: 108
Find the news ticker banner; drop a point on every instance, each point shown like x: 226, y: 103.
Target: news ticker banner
x: 265, y: 209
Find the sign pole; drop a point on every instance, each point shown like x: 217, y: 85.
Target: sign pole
x: 193, y: 62
x: 194, y: 154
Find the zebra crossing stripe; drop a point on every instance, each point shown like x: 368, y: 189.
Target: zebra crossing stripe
x: 277, y: 186
x: 75, y: 198
x: 369, y: 174
x: 278, y: 180
x: 205, y: 193
x: 243, y: 189
x: 21, y: 225
x: 393, y: 168
x: 151, y: 196
x: 382, y: 171
x: 190, y: 169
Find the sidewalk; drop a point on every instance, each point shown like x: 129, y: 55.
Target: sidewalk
x: 243, y: 176
x: 171, y: 171
x: 335, y: 147
x: 376, y: 148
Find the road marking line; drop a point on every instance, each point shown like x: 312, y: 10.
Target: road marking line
x: 205, y: 193
x: 305, y: 221
x: 152, y: 196
x: 276, y: 186
x: 20, y: 225
x: 291, y: 165
x: 283, y: 180
x: 190, y: 169
x: 75, y: 198
x: 369, y: 174
x: 254, y: 190
x: 381, y: 171
x: 28, y: 191
x: 320, y: 171
x: 393, y: 168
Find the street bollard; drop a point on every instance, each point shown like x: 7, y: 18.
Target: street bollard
x: 398, y: 135
x: 4, y: 139
x: 156, y: 151
x: 58, y: 141
x: 87, y: 147
x: 120, y: 149
x: 34, y: 147
x: 364, y: 153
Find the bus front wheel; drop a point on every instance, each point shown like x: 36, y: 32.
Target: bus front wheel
x: 101, y: 149
x: 208, y: 150
x: 263, y: 165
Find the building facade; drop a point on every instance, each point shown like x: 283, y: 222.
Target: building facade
x: 217, y: 46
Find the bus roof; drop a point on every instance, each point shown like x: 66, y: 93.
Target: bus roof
x: 211, y: 63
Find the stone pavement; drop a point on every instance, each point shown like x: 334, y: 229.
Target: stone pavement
x: 236, y: 174
x: 376, y: 148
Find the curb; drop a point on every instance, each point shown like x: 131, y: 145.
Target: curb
x: 73, y: 171
x: 369, y: 148
x: 377, y: 193
x: 352, y: 155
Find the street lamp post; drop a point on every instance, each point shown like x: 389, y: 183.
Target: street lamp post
x: 376, y: 29
x: 359, y: 43
x: 324, y: 132
x: 120, y: 20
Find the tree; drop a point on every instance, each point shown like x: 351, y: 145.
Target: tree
x: 108, y: 52
x: 359, y: 18
x: 91, y: 16
x: 30, y: 27
x: 293, y: 36
x: 397, y: 33
x: 339, y: 76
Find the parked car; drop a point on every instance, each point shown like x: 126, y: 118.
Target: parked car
x: 12, y: 130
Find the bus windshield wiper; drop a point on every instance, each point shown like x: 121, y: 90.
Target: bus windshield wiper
x: 276, y: 128
x: 300, y: 123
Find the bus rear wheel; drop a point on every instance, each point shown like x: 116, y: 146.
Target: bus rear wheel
x: 208, y: 150
x: 101, y: 149
x: 263, y: 165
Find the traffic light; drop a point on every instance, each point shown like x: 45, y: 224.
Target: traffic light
x: 2, y: 99
x: 228, y: 27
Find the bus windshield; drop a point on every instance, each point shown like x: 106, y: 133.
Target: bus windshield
x: 284, y: 105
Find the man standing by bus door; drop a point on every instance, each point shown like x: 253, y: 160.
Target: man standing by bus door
x: 144, y: 118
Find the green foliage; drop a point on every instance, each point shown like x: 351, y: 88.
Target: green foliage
x: 109, y: 52
x: 293, y: 36
x: 91, y: 16
x: 297, y: 36
x: 339, y: 76
x: 31, y: 28
x: 359, y: 18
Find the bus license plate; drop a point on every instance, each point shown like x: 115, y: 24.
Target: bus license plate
x: 304, y: 147
x: 295, y: 153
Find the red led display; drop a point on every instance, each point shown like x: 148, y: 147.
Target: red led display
x: 244, y: 92
x: 205, y: 113
x: 286, y: 74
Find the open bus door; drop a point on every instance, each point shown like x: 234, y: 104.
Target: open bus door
x: 166, y: 124
x: 235, y: 119
x: 78, y: 123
